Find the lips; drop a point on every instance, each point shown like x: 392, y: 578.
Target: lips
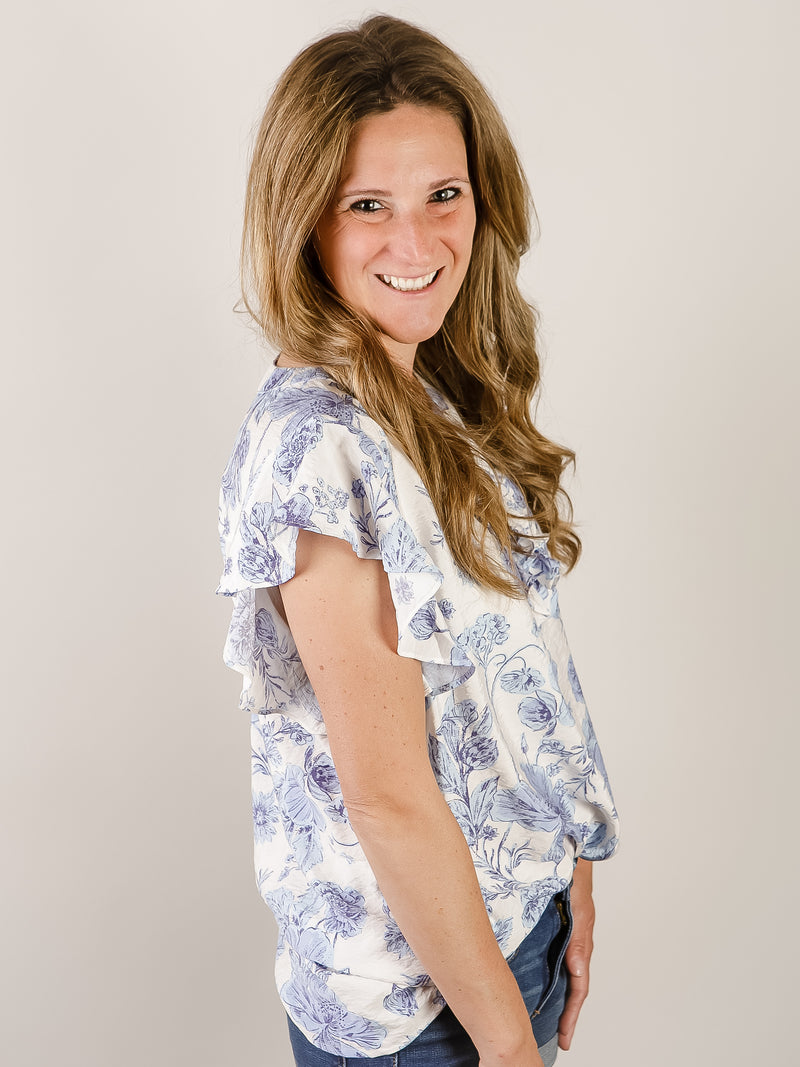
x: 409, y: 285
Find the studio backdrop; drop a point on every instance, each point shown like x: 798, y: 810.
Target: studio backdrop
x: 660, y: 144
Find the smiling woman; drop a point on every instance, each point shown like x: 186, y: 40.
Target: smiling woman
x: 428, y: 794
x: 396, y: 239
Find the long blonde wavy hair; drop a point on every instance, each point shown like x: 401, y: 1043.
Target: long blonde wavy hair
x: 483, y: 359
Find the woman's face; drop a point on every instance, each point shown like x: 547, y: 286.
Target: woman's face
x: 396, y: 239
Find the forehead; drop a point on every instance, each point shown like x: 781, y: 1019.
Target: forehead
x: 405, y: 143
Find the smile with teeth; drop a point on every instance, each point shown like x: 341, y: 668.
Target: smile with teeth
x: 409, y: 285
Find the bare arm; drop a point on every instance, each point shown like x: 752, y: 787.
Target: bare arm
x: 340, y: 611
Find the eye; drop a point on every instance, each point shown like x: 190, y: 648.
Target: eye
x: 446, y: 196
x: 366, y: 207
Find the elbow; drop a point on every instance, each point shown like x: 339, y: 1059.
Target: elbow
x: 389, y: 806
x: 370, y: 806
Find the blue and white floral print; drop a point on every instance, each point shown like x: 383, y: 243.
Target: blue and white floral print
x: 510, y: 740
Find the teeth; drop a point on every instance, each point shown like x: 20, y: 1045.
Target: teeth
x: 407, y: 285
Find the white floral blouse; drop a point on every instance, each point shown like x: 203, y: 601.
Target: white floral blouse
x: 511, y: 743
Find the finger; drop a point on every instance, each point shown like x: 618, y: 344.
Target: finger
x: 578, y: 991
x: 577, y: 963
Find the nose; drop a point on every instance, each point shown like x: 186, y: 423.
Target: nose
x: 413, y: 240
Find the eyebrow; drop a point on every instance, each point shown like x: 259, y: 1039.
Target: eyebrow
x: 346, y: 194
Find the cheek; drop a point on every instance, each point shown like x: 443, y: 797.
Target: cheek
x: 349, y: 255
x: 463, y: 244
x: 463, y: 234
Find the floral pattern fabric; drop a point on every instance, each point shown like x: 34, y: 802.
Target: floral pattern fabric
x: 510, y: 740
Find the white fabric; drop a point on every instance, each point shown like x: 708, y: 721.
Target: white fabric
x: 511, y: 742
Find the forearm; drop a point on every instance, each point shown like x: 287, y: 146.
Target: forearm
x: 582, y: 878
x: 424, y: 868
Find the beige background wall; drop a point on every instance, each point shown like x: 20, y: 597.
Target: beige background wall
x: 661, y: 144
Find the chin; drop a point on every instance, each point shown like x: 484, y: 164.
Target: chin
x: 405, y: 334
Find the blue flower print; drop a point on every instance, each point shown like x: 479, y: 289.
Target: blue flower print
x: 550, y: 747
x: 447, y: 608
x: 443, y: 764
x: 538, y: 804
x: 362, y: 522
x: 240, y: 634
x: 441, y: 677
x: 346, y: 912
x: 259, y: 520
x: 303, y: 404
x: 323, y: 782
x: 265, y: 818
x: 401, y: 1001
x: 299, y: 809
x: 502, y: 931
x: 298, y: 934
x: 268, y: 753
x: 539, y: 572
x: 487, y: 631
x: 593, y: 753
x: 296, y: 732
x: 478, y: 752
x: 272, y: 731
x: 404, y: 590
x: 401, y: 550
x: 438, y: 536
x: 595, y: 837
x: 296, y: 441
x: 273, y: 659
x: 318, y: 1010
x: 539, y: 712
x: 335, y: 811
x: 329, y: 499
x: 537, y: 896
x: 259, y: 563
x: 303, y: 820
x: 265, y: 630
x: 393, y: 937
x: 542, y: 569
x: 524, y: 680
x: 230, y: 479
x: 572, y: 674
x: 295, y: 511
x: 464, y: 711
x: 380, y: 465
x: 423, y: 624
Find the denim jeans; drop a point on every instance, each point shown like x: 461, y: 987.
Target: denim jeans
x: 538, y: 968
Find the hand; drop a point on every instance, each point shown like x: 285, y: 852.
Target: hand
x: 579, y: 952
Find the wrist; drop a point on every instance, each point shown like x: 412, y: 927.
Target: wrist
x: 524, y: 1051
x: 511, y: 1043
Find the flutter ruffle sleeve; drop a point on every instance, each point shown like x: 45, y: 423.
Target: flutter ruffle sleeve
x: 309, y: 458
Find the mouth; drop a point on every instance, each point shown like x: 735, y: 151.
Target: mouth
x: 410, y: 285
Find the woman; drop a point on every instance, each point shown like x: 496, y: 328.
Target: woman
x: 425, y: 773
